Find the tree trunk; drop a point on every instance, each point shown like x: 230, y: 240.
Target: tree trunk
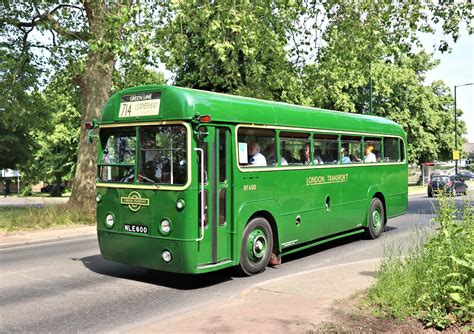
x: 96, y: 84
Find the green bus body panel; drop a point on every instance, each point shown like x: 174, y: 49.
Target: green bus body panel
x: 298, y: 207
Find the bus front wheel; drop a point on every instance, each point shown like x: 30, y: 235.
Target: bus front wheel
x: 257, y: 245
x: 376, y: 219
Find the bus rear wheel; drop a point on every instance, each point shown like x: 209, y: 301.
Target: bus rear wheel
x: 376, y: 219
x: 257, y: 245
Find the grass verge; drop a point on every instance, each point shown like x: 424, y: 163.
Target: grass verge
x: 31, y: 218
x: 434, y: 282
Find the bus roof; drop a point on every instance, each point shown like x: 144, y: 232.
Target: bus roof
x: 177, y: 103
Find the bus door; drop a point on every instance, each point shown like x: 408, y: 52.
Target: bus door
x: 216, y: 244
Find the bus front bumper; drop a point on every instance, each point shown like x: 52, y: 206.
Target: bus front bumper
x: 147, y: 252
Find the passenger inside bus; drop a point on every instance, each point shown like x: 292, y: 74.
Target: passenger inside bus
x: 305, y: 155
x: 344, y: 158
x: 255, y: 157
x: 370, y: 156
x: 270, y: 154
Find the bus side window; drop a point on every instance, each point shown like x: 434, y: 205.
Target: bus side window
x: 256, y: 147
x: 206, y: 211
x: 205, y: 148
x: 402, y: 150
x: 222, y: 154
x: 295, y: 149
x: 390, y: 149
x: 351, y: 149
x: 325, y: 149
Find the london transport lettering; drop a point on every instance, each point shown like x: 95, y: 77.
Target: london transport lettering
x: 324, y: 179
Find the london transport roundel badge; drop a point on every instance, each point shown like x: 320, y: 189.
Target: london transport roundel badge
x: 134, y: 201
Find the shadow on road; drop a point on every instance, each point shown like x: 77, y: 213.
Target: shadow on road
x: 99, y: 265
x: 329, y: 245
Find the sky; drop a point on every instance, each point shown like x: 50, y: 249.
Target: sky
x: 457, y: 68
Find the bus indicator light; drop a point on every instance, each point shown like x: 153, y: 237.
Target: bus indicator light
x: 92, y: 125
x: 205, y: 119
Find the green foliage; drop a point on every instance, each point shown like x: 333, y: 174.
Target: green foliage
x: 134, y: 74
x: 26, y: 190
x: 322, y: 54
x: 56, y: 142
x: 375, y: 43
x: 435, y: 282
x: 21, y: 107
x: 32, y: 218
x: 232, y: 47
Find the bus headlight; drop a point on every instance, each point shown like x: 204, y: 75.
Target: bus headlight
x: 180, y: 204
x: 109, y: 220
x: 165, y: 226
x: 166, y: 256
x: 98, y: 198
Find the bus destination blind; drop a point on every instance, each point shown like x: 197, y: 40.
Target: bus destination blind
x: 136, y: 105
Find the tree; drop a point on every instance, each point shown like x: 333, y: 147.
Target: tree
x: 370, y: 47
x: 321, y: 53
x: 55, y: 156
x: 133, y: 74
x: 21, y: 107
x: 102, y: 32
x: 232, y: 47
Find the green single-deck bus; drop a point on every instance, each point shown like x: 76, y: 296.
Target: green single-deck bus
x: 190, y: 181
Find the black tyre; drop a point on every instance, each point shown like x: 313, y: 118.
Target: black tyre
x: 376, y: 219
x: 257, y: 246
x: 430, y: 194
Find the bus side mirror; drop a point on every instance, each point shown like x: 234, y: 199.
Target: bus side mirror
x: 201, y: 133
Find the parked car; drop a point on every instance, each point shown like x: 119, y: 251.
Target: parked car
x: 466, y: 175
x: 47, y: 189
x: 452, y: 185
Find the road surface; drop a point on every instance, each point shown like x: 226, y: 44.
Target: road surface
x: 68, y: 287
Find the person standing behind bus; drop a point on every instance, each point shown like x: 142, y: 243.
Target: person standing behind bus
x: 255, y: 157
x: 370, y: 156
